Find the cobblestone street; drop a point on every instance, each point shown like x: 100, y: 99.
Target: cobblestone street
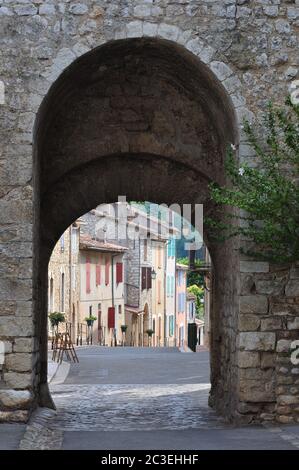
x: 125, y: 398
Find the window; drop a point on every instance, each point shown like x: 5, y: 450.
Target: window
x: 62, y: 293
x: 87, y: 271
x: 159, y: 291
x: 159, y: 257
x: 111, y: 317
x: 90, y: 310
x: 168, y: 287
x: 171, y: 248
x: 62, y: 242
x: 74, y: 239
x: 145, y: 250
x: 171, y: 325
x: 107, y: 271
x: 119, y: 273
x: 51, y: 297
x: 146, y: 278
x: 74, y: 279
x: 98, y: 273
x: 119, y: 310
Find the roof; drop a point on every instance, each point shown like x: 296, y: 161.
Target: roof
x: 88, y: 243
x: 132, y: 309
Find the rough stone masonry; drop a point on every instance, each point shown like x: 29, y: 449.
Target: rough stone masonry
x: 141, y: 98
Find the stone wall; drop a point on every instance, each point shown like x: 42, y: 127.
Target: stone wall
x: 219, y: 61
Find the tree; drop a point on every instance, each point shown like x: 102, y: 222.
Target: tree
x: 266, y: 195
x: 193, y: 277
x: 199, y: 294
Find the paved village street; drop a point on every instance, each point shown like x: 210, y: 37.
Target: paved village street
x: 141, y: 398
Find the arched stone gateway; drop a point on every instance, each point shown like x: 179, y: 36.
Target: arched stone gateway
x: 143, y: 109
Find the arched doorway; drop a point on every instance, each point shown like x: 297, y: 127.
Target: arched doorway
x: 146, y: 119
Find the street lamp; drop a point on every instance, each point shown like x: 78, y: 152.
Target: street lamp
x: 153, y: 274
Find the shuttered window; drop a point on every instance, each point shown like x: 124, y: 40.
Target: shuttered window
x: 119, y: 273
x: 159, y: 292
x: 107, y: 271
x: 146, y: 278
x: 111, y: 317
x: 98, y: 274
x: 87, y: 267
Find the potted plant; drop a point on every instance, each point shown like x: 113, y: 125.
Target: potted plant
x: 56, y: 318
x: 150, y: 333
x: 90, y: 320
x: 123, y: 330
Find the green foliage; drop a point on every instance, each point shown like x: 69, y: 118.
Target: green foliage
x: 56, y: 318
x: 268, y: 194
x: 193, y: 277
x: 150, y: 332
x: 199, y: 293
x: 90, y: 319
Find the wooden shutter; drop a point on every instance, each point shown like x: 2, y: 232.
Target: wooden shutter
x: 87, y: 266
x: 119, y: 273
x: 159, y: 292
x: 98, y: 273
x: 111, y: 317
x: 107, y: 271
x: 143, y: 278
x: 148, y: 278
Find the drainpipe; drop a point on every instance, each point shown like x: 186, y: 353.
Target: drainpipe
x: 112, y: 294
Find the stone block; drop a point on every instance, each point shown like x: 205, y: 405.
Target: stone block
x: 283, y: 345
x: 17, y: 380
x: 257, y: 341
x: 285, y: 400
x: 254, y: 304
x: 293, y: 324
x: 20, y: 362
x: 271, y: 324
x: 16, y: 326
x: 249, y: 322
x: 248, y: 359
x: 254, y: 267
x: 20, y: 416
x: 25, y: 345
x: 268, y: 359
x: 15, y: 398
x: 292, y: 288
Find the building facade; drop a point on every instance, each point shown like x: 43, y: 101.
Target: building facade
x: 86, y: 279
x: 181, y: 306
x: 170, y: 298
x: 102, y: 289
x: 158, y: 304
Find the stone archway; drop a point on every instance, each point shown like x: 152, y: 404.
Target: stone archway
x: 146, y: 111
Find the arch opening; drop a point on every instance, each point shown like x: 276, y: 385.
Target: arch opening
x: 145, y: 119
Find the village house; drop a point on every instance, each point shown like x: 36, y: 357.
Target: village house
x: 170, y: 299
x: 102, y: 288
x: 181, y: 306
x: 86, y: 280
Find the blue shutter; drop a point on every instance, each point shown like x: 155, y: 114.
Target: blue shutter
x: 173, y: 247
